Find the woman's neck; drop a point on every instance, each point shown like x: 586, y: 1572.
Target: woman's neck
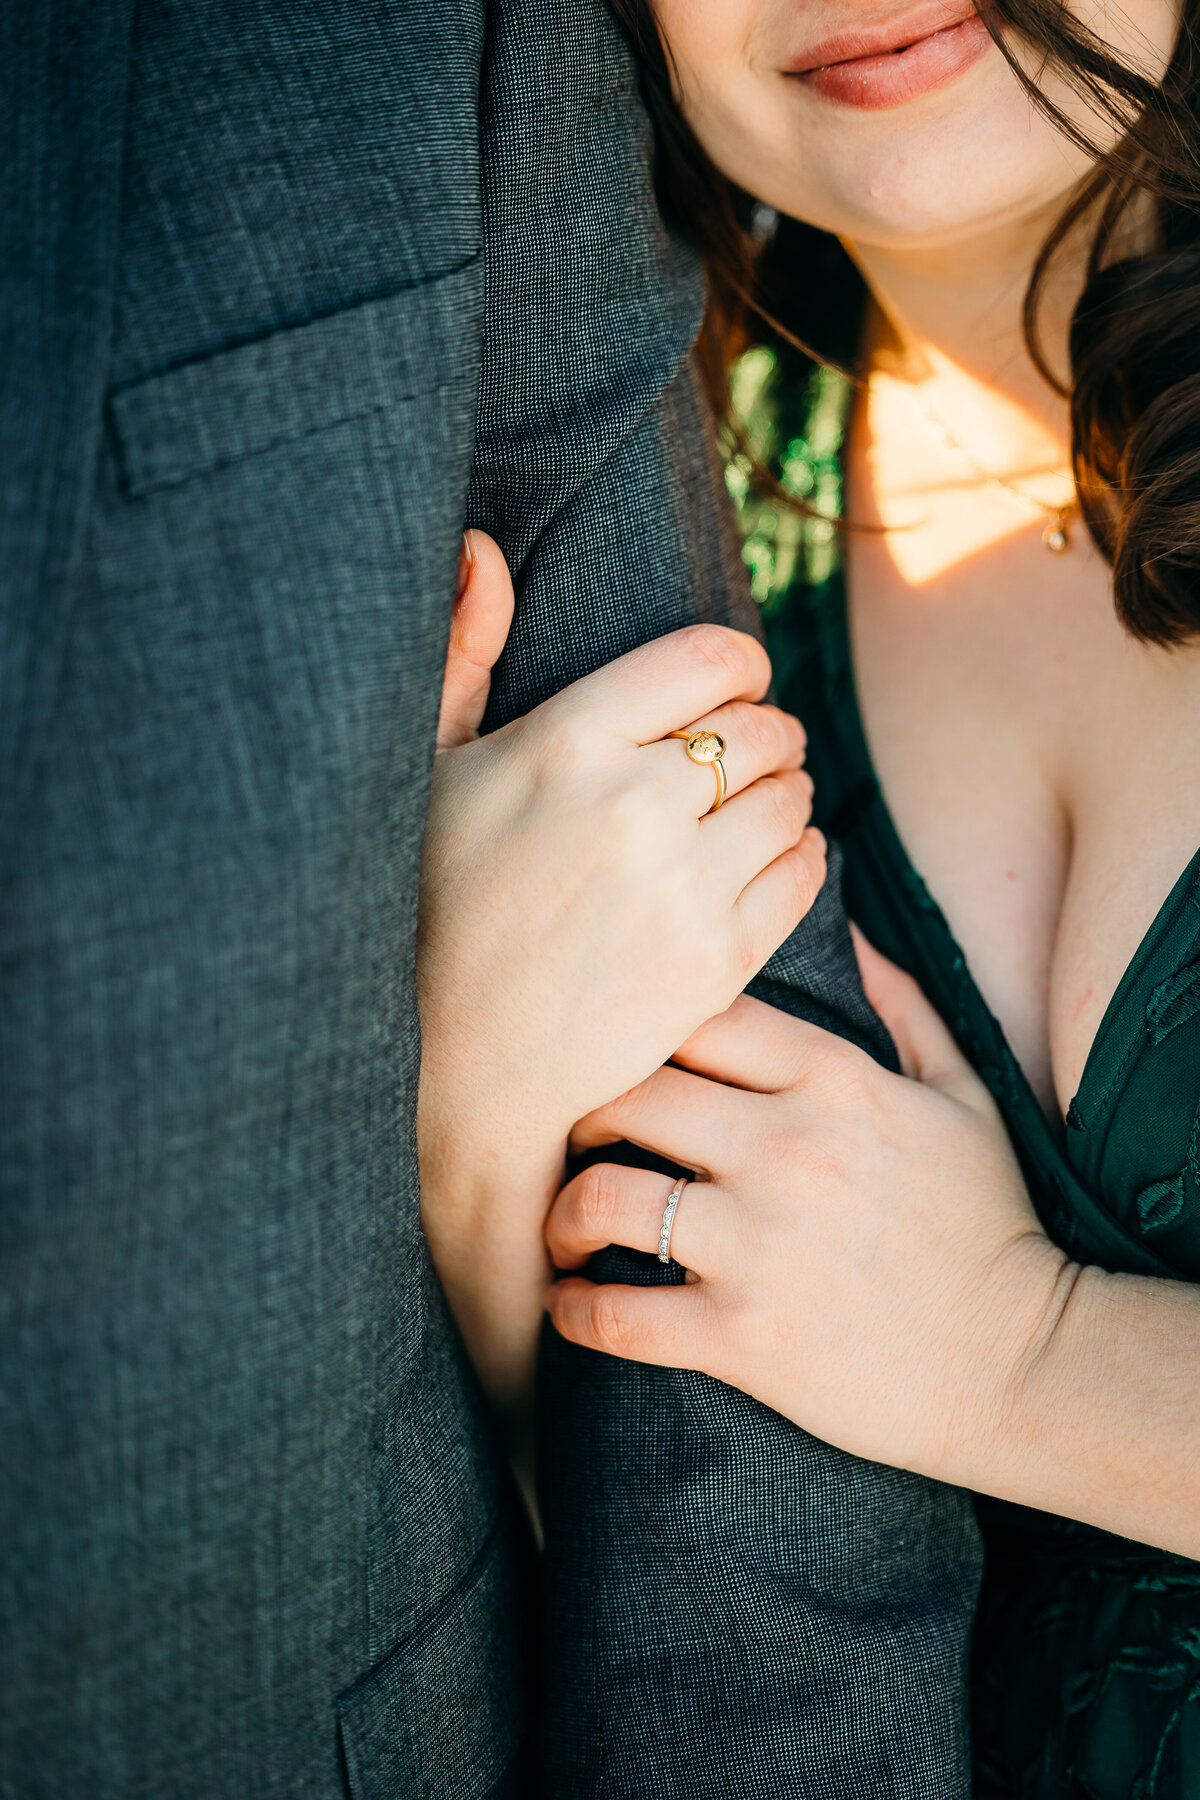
x: 964, y: 441
x: 949, y: 319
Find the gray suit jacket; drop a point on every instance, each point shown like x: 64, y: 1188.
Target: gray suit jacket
x: 269, y: 308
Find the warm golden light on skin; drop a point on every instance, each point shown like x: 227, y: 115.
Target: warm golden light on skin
x: 935, y: 509
x: 921, y: 549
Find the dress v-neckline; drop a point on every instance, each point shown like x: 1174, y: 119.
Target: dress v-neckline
x: 1170, y: 939
x: 1097, y: 1074
x: 1112, y: 1188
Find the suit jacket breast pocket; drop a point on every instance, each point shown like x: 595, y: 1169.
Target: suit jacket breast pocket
x: 219, y: 410
x: 274, y: 541
x: 441, y: 1718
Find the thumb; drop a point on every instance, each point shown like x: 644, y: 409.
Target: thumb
x: 483, y: 612
x: 927, y: 1051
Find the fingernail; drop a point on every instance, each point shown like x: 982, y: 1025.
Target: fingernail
x: 466, y: 562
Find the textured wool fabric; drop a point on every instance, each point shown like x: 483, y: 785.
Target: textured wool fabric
x: 732, y: 1608
x: 268, y: 312
x: 256, y: 1536
x: 58, y: 216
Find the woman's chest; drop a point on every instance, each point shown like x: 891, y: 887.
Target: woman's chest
x: 1043, y: 772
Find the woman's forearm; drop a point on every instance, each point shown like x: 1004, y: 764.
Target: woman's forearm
x: 1101, y: 1420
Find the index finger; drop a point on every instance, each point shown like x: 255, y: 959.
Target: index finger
x: 755, y: 1046
x: 693, y: 1122
x: 668, y: 683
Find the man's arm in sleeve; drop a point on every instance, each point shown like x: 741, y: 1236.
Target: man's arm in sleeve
x: 731, y: 1606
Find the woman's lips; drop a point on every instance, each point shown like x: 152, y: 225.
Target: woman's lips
x: 854, y: 71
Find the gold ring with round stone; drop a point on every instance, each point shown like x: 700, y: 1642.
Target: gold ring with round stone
x: 707, y: 747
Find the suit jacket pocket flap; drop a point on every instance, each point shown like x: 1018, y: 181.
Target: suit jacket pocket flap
x: 441, y: 1718
x: 212, y: 412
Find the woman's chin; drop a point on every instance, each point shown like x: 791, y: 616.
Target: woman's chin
x: 930, y: 189
x: 927, y: 173
x: 896, y: 224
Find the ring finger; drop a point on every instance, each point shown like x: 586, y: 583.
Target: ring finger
x: 608, y: 1204
x: 760, y: 825
x: 759, y: 740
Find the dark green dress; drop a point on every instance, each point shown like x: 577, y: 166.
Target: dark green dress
x: 1087, y: 1648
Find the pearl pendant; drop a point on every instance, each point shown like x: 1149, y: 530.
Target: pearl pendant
x: 1055, y: 536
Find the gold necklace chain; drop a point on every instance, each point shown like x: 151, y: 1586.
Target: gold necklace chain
x: 1057, y: 534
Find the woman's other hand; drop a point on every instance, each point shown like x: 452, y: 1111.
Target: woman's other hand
x: 868, y: 1260
x: 580, y: 916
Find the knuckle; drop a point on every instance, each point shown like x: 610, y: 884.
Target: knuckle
x: 848, y: 1073
x: 758, y: 731
x: 597, y: 1200
x: 805, y: 885
x: 787, y: 815
x: 796, y: 1151
x: 632, y: 815
x: 729, y: 652
x: 560, y: 744
x: 779, y: 1147
x: 779, y: 1340
x: 573, y: 738
x: 747, y: 957
x: 604, y: 1317
x: 622, y: 1110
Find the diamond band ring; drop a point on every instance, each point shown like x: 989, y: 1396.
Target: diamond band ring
x: 707, y: 747
x: 664, y: 1236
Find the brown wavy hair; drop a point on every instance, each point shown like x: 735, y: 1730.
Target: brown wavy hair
x: 1134, y: 342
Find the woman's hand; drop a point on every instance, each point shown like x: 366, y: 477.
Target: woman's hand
x: 867, y: 1257
x: 580, y: 916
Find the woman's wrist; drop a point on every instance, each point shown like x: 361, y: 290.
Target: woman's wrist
x: 1098, y: 1422
x: 1010, y: 1384
x: 1002, y: 1383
